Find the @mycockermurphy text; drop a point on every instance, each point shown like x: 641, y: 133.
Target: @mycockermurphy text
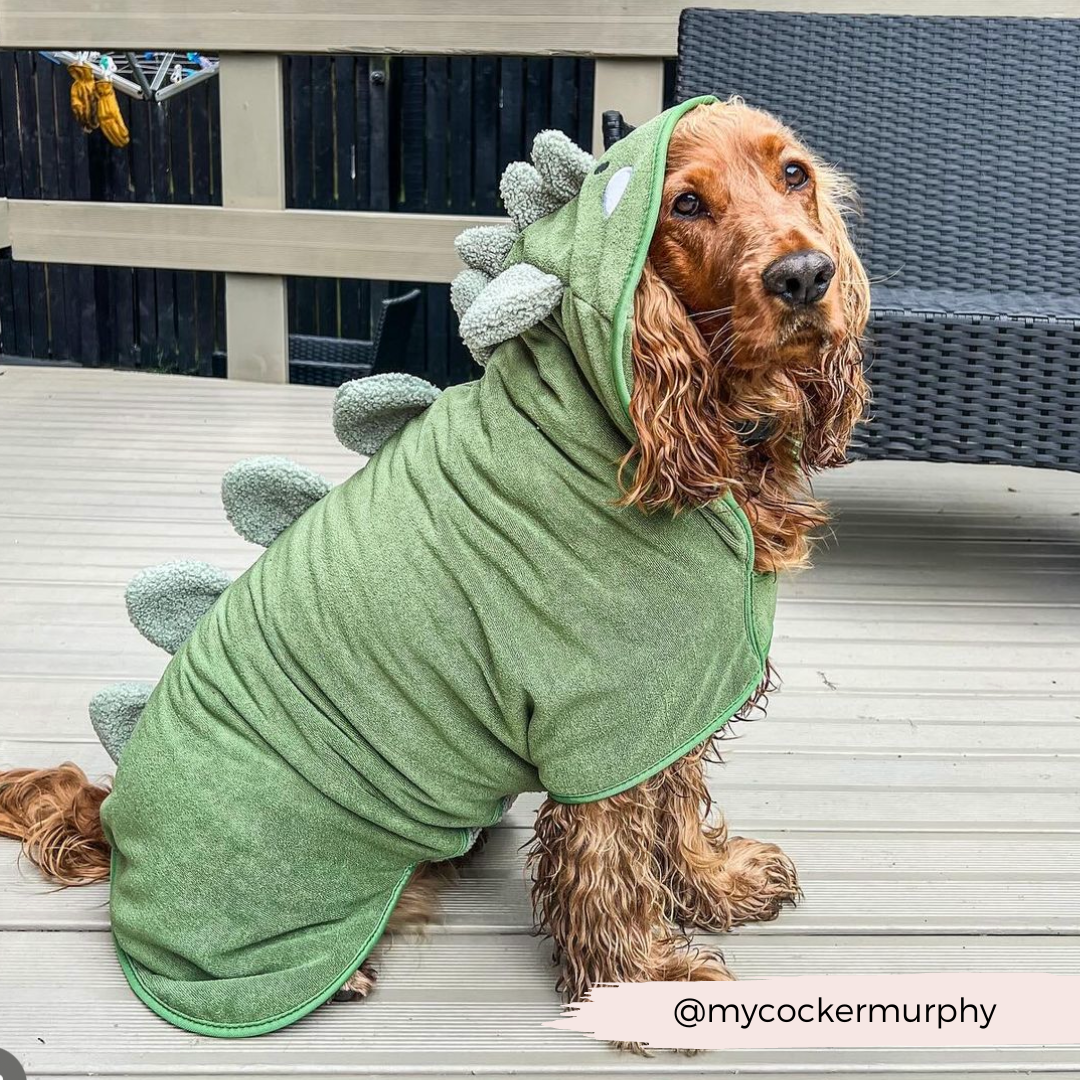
x: 689, y: 1012
x: 872, y: 1011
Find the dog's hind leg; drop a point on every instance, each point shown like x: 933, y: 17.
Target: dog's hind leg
x: 417, y: 908
x: 714, y: 882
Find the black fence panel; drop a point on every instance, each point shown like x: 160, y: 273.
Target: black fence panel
x: 160, y: 320
x: 416, y: 134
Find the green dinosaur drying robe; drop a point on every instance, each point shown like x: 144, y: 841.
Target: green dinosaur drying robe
x: 468, y: 617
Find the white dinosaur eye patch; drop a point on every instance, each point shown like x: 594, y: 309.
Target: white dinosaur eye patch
x: 616, y: 188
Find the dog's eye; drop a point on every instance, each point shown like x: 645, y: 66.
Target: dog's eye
x: 796, y: 176
x: 687, y: 205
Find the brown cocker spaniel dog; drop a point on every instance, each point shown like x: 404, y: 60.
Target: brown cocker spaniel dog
x: 748, y: 377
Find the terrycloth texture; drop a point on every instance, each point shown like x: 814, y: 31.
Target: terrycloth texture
x: 165, y: 602
x: 115, y: 711
x: 263, y: 496
x: 468, y: 617
x: 368, y: 411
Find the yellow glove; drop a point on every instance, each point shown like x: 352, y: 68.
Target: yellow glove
x: 108, y: 114
x: 82, y: 95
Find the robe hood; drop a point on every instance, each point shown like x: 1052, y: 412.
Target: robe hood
x: 579, y: 265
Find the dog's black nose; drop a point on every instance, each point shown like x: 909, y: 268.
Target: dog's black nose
x: 800, y: 278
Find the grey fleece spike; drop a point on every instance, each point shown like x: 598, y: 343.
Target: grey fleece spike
x: 518, y: 298
x: 114, y: 712
x: 368, y: 411
x: 165, y: 602
x: 485, y: 247
x: 465, y: 288
x: 526, y: 197
x: 562, y: 164
x: 263, y: 496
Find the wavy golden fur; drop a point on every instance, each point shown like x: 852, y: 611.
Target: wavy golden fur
x: 716, y: 354
x: 618, y: 882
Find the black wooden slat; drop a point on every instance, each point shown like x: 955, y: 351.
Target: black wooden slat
x: 148, y: 348
x: 379, y: 159
x: 31, y: 173
x: 65, y: 304
x: 564, y: 95
x: 180, y: 162
x: 485, y: 139
x: 7, y: 299
x: 537, y: 96
x: 325, y: 172
x: 218, y: 367
x: 438, y: 320
x: 512, y: 111
x: 349, y: 315
x: 203, y: 114
x: 85, y: 276
x: 214, y: 109
x: 53, y: 299
x: 288, y: 97
x: 437, y: 133
x: 585, y: 87
x: 302, y: 138
x: 164, y: 280
x: 362, y: 156
x: 461, y: 134
x: 413, y: 134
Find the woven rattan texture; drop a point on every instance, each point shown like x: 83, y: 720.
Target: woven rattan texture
x: 954, y: 388
x: 963, y: 136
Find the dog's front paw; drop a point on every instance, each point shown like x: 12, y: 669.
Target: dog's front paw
x: 360, y: 983
x: 762, y: 879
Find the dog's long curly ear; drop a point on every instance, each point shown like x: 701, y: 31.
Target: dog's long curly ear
x: 838, y: 396
x: 684, y: 450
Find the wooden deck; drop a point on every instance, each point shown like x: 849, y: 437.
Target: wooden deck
x: 920, y: 764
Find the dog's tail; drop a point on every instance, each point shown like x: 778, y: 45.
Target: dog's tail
x: 56, y: 814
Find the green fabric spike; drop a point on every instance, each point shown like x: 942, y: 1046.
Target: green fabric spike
x: 368, y: 411
x: 165, y: 602
x: 486, y: 247
x: 115, y: 710
x: 526, y: 197
x: 561, y: 163
x: 517, y: 299
x: 263, y: 496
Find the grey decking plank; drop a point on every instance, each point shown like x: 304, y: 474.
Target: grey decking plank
x: 765, y: 791
x: 463, y: 1003
x: 855, y: 883
x: 928, y: 728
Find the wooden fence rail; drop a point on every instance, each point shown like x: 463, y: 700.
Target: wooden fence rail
x: 253, y: 237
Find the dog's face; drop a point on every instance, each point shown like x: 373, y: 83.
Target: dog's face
x: 748, y: 317
x: 751, y: 240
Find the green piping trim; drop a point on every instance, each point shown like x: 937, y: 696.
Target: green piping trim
x: 751, y: 554
x: 272, y: 1023
x: 682, y: 751
x: 621, y: 319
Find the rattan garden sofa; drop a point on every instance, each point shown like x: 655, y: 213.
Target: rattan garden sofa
x: 328, y: 361
x: 963, y: 135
